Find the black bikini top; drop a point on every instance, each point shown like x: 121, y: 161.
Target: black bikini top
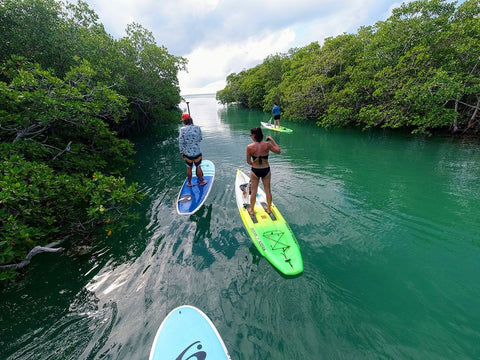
x: 259, y: 158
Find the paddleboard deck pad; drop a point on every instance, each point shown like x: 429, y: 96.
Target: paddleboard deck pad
x: 191, y: 198
x: 270, y: 233
x: 187, y: 333
x: 278, y: 128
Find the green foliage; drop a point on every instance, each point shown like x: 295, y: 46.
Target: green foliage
x: 419, y: 70
x: 32, y: 27
x: 62, y: 122
x: 226, y: 95
x: 250, y: 87
x: 60, y: 165
x: 58, y: 35
x: 40, y: 205
x: 69, y: 93
x: 150, y: 74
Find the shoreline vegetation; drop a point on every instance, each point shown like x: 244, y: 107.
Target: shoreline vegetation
x: 418, y: 71
x: 71, y: 96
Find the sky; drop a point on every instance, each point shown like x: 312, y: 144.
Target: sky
x: 220, y: 37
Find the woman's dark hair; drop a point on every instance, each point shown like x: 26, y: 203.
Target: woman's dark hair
x: 257, y: 133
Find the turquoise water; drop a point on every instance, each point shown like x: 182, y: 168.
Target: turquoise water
x: 388, y: 225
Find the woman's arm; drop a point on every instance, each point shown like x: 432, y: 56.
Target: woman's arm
x: 272, y: 145
x: 249, y: 158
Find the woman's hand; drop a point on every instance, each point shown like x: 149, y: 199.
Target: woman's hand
x: 268, y: 138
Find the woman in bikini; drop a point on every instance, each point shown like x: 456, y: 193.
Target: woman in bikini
x: 257, y: 157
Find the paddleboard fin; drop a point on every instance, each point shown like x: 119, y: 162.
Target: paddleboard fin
x: 185, y: 198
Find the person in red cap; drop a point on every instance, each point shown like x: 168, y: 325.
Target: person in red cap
x: 189, y: 142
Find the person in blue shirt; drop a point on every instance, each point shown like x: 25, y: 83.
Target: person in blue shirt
x: 189, y: 143
x: 276, y: 115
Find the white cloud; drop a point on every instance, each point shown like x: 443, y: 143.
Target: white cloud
x: 219, y: 37
x: 208, y: 67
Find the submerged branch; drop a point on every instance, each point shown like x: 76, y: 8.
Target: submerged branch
x: 36, y: 250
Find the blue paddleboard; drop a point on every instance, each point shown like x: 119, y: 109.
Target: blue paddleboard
x: 187, y: 333
x: 191, y: 198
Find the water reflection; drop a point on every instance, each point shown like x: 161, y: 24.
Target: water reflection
x: 387, y: 225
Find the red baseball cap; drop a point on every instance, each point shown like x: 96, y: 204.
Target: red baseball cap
x: 185, y: 116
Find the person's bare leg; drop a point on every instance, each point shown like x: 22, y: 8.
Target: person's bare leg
x: 254, y: 188
x: 268, y: 191
x: 199, y: 172
x: 189, y: 175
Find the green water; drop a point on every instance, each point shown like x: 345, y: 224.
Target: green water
x: 388, y: 226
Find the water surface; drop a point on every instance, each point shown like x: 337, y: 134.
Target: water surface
x: 388, y: 225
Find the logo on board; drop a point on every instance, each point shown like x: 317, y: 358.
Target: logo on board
x: 189, y: 354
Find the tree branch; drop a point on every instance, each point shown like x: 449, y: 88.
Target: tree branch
x: 31, y: 130
x: 63, y: 151
x: 36, y: 250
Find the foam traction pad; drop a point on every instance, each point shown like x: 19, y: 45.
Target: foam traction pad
x: 253, y: 217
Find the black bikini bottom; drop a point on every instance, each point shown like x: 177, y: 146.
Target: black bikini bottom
x: 261, y: 173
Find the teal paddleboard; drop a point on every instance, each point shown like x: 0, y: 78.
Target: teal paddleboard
x: 188, y: 334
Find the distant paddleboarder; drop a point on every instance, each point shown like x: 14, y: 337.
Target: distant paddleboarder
x: 276, y: 115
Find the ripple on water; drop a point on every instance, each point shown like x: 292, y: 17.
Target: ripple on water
x: 387, y: 228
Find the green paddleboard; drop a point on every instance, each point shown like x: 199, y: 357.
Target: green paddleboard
x: 271, y: 234
x: 278, y: 128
